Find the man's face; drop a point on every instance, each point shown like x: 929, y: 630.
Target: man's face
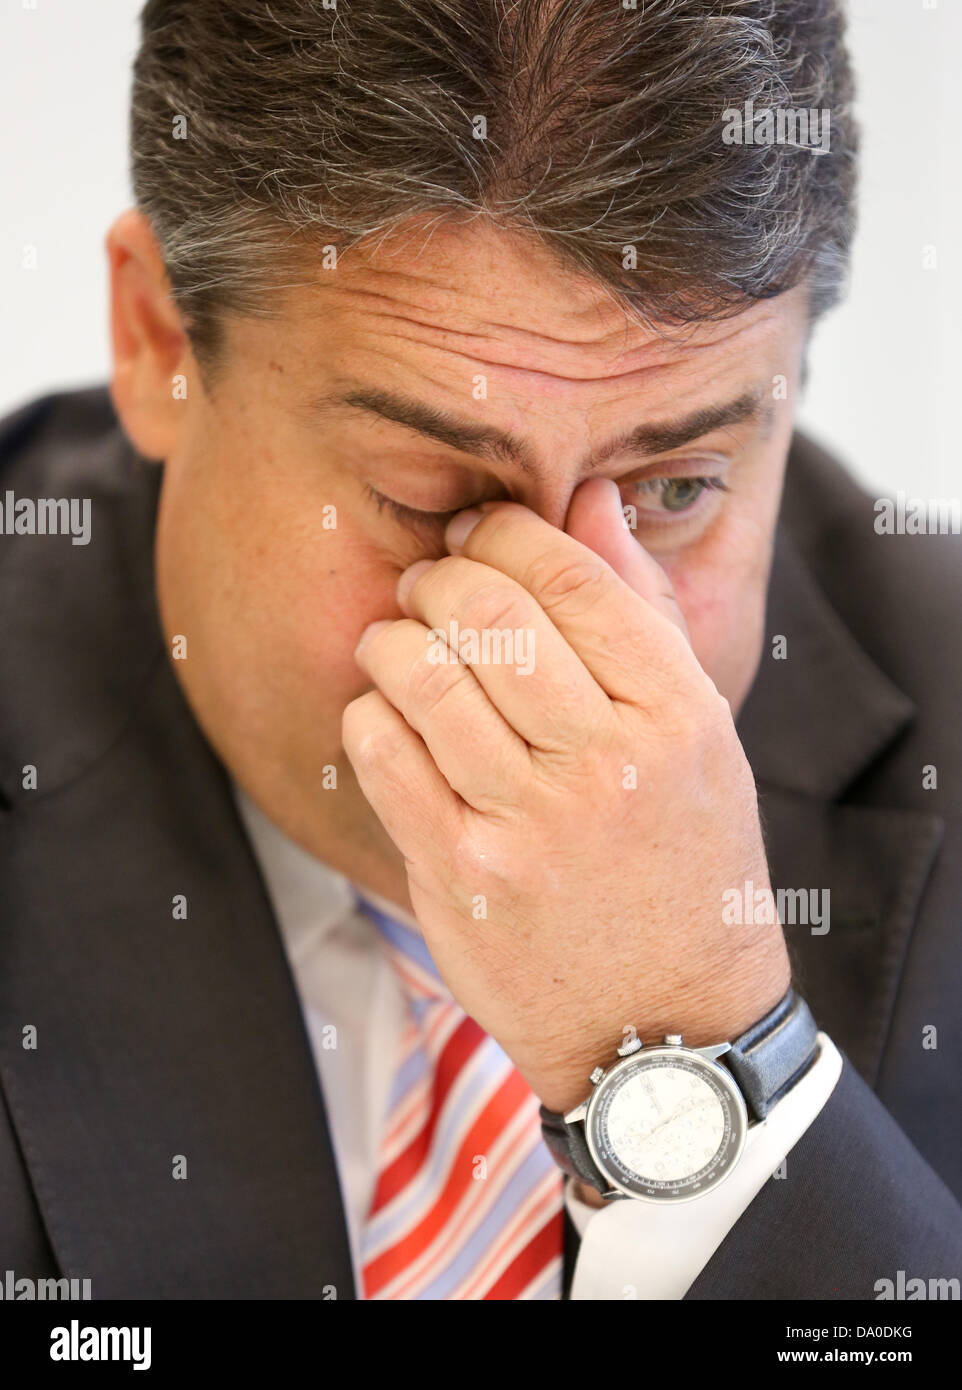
x: 441, y: 370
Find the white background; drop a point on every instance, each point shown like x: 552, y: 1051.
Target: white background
x: 886, y: 367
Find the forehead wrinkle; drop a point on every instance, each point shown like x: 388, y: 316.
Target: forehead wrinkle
x: 457, y: 341
x: 441, y: 313
x: 639, y: 361
x: 534, y: 375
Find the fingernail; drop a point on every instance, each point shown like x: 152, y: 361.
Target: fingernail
x: 370, y: 630
x: 410, y: 577
x: 460, y: 527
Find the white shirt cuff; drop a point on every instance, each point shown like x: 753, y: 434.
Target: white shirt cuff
x: 639, y: 1250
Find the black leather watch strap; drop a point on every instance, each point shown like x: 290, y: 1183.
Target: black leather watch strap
x: 569, y: 1149
x: 773, y: 1054
x: 766, y: 1061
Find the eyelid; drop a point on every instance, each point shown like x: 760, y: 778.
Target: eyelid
x: 709, y: 483
x: 405, y: 512
x: 689, y: 466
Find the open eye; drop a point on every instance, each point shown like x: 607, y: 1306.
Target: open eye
x: 655, y: 495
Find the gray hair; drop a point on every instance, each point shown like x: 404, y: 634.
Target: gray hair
x: 262, y: 130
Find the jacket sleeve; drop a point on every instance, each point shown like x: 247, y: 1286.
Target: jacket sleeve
x: 858, y: 1204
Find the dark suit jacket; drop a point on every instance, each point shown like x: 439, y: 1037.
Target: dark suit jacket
x: 158, y: 1038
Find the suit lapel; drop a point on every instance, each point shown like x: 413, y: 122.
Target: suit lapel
x: 813, y: 724
x: 170, y: 1113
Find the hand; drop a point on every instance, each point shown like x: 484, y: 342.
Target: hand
x: 568, y: 832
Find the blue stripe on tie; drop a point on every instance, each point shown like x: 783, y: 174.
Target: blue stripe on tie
x: 482, y: 1241
x: 477, y: 1075
x: 550, y: 1286
x: 409, y: 1074
x: 408, y: 942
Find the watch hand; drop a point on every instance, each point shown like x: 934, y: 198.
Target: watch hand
x: 676, y: 1115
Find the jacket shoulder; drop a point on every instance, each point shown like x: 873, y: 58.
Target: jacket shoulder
x: 899, y: 595
x: 77, y: 611
x: 43, y: 427
x: 834, y: 519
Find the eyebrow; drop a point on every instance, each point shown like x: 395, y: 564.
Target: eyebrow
x: 488, y: 442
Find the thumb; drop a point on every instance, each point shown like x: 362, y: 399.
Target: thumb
x: 596, y: 520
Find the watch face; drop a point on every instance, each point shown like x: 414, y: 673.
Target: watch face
x: 666, y: 1125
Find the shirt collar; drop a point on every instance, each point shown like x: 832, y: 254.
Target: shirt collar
x: 308, y: 896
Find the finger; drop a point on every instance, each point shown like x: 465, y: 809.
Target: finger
x: 633, y: 651
x: 529, y: 671
x: 398, y: 776
x: 596, y: 519
x: 477, y: 752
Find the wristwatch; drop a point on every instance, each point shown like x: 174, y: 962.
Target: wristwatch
x: 668, y: 1123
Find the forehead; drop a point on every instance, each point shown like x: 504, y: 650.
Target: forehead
x: 435, y: 307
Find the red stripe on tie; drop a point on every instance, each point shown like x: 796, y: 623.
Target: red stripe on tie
x: 458, y: 1050
x: 530, y: 1261
x: 505, y: 1103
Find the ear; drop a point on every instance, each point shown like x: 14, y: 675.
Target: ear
x: 150, y: 346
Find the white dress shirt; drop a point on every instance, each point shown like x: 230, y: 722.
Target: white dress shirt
x: 354, y: 1008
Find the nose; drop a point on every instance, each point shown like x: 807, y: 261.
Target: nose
x: 595, y: 503
x: 550, y: 500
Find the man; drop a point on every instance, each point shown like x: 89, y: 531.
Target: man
x: 371, y: 775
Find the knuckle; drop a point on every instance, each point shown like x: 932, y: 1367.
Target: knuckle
x: 367, y: 739
x: 357, y: 714
x: 583, y: 579
x: 719, y: 710
x: 491, y: 606
x: 709, y: 714
x: 477, y: 860
x: 430, y: 682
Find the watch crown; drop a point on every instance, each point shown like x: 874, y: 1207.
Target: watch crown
x: 596, y: 1075
x: 626, y: 1049
x: 673, y: 1039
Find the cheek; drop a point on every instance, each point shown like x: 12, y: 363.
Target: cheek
x: 286, y: 576
x: 330, y: 604
x: 721, y: 590
x: 356, y: 585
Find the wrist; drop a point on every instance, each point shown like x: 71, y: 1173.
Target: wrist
x: 669, y: 1122
x: 590, y: 1196
x: 720, y: 1014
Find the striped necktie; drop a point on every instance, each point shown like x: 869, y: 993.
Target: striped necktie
x: 468, y: 1202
